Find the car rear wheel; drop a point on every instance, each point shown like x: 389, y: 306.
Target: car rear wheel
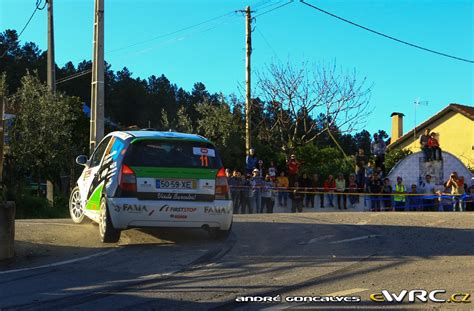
x: 219, y: 234
x: 76, y: 210
x: 108, y: 234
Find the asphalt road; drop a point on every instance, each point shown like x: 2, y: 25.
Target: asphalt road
x: 309, y: 254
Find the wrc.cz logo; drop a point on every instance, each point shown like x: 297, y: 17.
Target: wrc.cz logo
x: 420, y: 295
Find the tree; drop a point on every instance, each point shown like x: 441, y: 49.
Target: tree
x: 296, y: 94
x: 42, y: 133
x: 183, y: 121
x: 218, y: 124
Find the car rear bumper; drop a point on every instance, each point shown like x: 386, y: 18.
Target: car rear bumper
x: 130, y: 212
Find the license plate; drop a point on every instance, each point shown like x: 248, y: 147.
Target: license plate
x: 175, y: 184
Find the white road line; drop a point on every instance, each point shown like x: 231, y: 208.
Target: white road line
x: 355, y: 239
x: 59, y: 263
x: 46, y: 223
x: 324, y: 237
x: 347, y: 292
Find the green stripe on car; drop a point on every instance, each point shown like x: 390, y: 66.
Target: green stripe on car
x: 174, y: 172
x: 94, y: 201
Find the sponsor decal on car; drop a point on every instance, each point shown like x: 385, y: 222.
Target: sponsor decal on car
x: 167, y: 208
x: 134, y: 208
x: 178, y: 216
x: 176, y: 196
x: 216, y: 210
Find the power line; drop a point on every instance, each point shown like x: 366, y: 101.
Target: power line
x: 81, y: 73
x: 276, y: 8
x: 268, y: 43
x: 74, y: 76
x: 37, y: 7
x: 266, y: 5
x: 173, y: 32
x: 387, y: 36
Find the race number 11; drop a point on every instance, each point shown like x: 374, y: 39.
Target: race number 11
x: 204, y: 161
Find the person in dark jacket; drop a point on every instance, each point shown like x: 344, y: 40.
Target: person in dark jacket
x: 307, y: 184
x: 296, y: 199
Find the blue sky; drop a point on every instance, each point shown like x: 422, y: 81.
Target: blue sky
x: 214, y: 53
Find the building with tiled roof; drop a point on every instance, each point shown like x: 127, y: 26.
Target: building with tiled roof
x: 454, y: 126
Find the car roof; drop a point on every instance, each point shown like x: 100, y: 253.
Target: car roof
x: 166, y: 135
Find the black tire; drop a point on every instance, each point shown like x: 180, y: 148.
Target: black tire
x: 107, y: 232
x: 219, y: 234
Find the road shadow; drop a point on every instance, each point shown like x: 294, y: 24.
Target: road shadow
x: 265, y: 250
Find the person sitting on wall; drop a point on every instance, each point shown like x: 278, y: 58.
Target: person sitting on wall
x: 424, y: 145
x: 433, y: 144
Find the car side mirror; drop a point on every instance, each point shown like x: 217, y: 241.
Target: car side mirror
x: 82, y: 160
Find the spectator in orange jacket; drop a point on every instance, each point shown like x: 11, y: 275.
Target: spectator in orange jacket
x: 329, y: 187
x: 433, y: 144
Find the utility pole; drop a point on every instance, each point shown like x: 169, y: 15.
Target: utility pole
x: 51, y: 80
x: 51, y: 75
x: 3, y: 98
x: 97, y: 95
x: 248, y: 97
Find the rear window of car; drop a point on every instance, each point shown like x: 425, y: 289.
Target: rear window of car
x: 170, y: 153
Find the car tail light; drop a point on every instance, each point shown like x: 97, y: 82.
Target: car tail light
x: 222, y: 188
x: 127, y: 180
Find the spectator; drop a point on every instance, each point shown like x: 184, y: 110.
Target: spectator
x: 257, y: 185
x: 246, y: 195
x: 340, y: 190
x: 235, y: 183
x: 414, y: 200
x: 317, y: 187
x: 375, y: 187
x: 435, y: 150
x: 261, y: 168
x: 469, y: 201
x: 352, y: 187
x: 445, y: 202
x: 427, y: 187
x: 296, y: 199
x: 369, y: 172
x: 399, y: 197
x: 387, y: 197
x: 424, y: 138
x: 282, y: 184
x: 457, y: 188
x: 329, y: 187
x: 228, y: 174
x: 306, y: 183
x: 272, y: 171
x: 361, y: 162
x: 267, y: 195
x: 293, y: 167
x: 380, y: 172
x: 250, y: 161
x: 377, y: 148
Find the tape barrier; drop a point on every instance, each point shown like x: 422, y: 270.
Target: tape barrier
x: 322, y: 191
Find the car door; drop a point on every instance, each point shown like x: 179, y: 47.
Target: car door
x: 90, y: 175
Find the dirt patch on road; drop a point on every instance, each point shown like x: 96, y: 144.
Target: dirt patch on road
x: 45, y: 241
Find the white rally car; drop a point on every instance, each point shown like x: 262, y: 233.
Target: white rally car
x: 152, y: 179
